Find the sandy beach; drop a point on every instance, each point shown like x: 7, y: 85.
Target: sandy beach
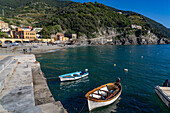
x: 35, y: 49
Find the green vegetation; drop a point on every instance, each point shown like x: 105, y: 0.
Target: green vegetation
x: 157, y: 27
x: 21, y: 3
x: 87, y: 18
x: 70, y: 17
x: 2, y: 34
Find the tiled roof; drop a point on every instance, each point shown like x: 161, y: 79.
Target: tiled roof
x: 2, y: 21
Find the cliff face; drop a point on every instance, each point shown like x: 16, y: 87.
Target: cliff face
x: 143, y: 40
x: 108, y: 36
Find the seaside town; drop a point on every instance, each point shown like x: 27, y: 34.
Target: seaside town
x: 13, y: 36
x: 60, y: 56
x: 26, y: 89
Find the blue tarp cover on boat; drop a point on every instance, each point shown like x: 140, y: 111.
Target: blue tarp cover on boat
x: 72, y: 75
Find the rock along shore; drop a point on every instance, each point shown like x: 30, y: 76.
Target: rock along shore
x: 23, y: 88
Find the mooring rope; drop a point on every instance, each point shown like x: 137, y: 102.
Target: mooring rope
x: 82, y: 107
x: 51, y: 78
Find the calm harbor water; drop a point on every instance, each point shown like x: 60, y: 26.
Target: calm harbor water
x: 138, y: 83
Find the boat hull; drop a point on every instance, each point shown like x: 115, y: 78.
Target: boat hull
x: 73, y: 78
x: 92, y: 104
x: 163, y: 96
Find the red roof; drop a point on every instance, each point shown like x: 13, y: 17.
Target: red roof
x: 2, y: 21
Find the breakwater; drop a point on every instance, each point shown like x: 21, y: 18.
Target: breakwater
x: 23, y: 88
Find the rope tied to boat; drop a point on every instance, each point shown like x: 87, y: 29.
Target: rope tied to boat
x: 82, y: 107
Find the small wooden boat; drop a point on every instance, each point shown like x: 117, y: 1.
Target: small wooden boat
x: 74, y: 75
x: 104, y: 95
x: 164, y: 92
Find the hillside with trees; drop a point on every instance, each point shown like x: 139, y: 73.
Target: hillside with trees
x: 84, y: 19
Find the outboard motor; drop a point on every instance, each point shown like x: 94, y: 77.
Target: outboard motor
x: 166, y: 83
x: 118, y: 79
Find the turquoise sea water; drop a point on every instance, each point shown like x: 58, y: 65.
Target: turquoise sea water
x: 138, y: 83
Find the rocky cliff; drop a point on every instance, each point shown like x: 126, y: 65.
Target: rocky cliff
x: 108, y: 36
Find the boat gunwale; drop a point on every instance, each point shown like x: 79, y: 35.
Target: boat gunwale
x: 70, y: 74
x: 162, y: 93
x: 90, y: 92
x: 77, y: 72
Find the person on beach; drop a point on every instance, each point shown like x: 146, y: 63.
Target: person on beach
x: 24, y: 51
x: 30, y: 49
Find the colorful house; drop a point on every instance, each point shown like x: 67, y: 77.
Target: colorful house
x: 65, y: 38
x: 136, y: 26
x: 31, y: 35
x: 23, y: 33
x: 4, y: 26
x: 58, y: 37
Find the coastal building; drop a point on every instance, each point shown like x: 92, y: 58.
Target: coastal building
x: 4, y: 26
x: 23, y: 33
x: 71, y: 36
x: 58, y: 37
x: 5, y: 29
x: 149, y: 32
x: 53, y: 36
x: 65, y: 38
x: 30, y: 27
x: 31, y: 35
x: 136, y: 26
x: 15, y: 33
x: 120, y: 12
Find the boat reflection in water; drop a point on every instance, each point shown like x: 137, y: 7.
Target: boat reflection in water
x: 71, y: 84
x: 107, y: 109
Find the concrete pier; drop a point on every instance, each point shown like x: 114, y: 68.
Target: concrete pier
x: 23, y: 88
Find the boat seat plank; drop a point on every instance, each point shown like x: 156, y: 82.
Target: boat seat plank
x: 106, y: 91
x: 165, y: 88
x: 98, y: 94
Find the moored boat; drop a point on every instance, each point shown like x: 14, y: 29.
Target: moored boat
x: 164, y: 92
x: 74, y: 75
x: 104, y: 95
